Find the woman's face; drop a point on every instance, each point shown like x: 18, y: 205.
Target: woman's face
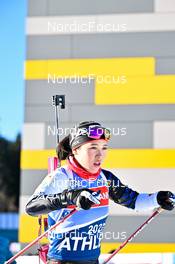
x: 91, y: 155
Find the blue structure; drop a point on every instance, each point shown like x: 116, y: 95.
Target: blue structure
x: 9, y: 226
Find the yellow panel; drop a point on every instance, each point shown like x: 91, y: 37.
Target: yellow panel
x: 140, y: 247
x: 28, y: 229
x: 85, y: 67
x: 141, y: 90
x: 116, y: 158
x: 36, y: 159
x: 140, y: 158
x: 36, y: 69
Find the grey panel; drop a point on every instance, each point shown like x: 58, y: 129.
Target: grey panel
x: 37, y: 8
x: 165, y: 65
x: 40, y: 92
x: 30, y: 179
x: 61, y: 48
x: 82, y: 7
x: 31, y: 251
x: 43, y: 114
x: 124, y: 45
x: 124, y: 135
x: 155, y: 232
x: 105, y: 45
x: 123, y: 113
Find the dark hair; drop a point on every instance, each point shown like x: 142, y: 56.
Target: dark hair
x: 65, y: 146
x: 63, y: 149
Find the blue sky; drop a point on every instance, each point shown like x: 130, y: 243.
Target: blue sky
x: 12, y: 56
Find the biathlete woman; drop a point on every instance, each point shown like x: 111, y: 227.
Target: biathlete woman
x: 83, y: 184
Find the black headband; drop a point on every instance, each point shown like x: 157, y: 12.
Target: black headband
x: 76, y: 139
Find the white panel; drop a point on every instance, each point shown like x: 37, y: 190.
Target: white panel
x: 141, y: 22
x: 100, y: 24
x: 164, y: 135
x: 164, y: 6
x: 143, y: 181
x: 123, y: 258
x: 33, y: 136
x: 139, y: 258
x: 29, y: 260
x: 59, y: 25
x: 22, y: 203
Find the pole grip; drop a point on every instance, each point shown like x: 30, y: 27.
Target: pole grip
x: 52, y: 164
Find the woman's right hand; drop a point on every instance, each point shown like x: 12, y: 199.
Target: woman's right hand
x: 86, y: 198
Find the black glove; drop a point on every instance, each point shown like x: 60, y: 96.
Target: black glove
x: 163, y: 199
x: 85, y: 198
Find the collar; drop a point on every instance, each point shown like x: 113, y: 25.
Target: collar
x: 83, y: 173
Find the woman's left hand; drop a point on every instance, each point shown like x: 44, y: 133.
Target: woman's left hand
x: 166, y: 200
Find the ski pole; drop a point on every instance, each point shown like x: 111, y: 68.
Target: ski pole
x: 140, y: 228
x: 58, y: 100
x: 39, y: 237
